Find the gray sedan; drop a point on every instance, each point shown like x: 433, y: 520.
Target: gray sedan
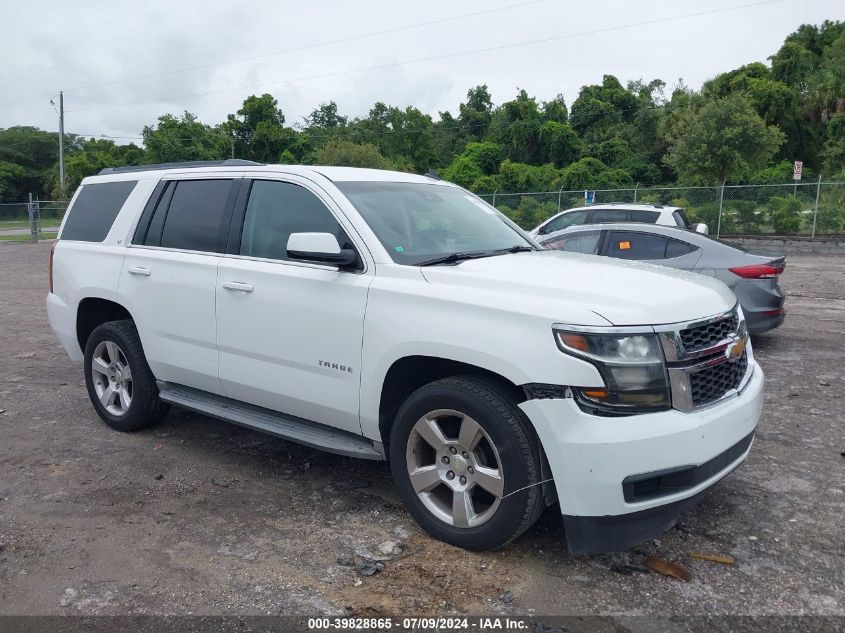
x: 752, y: 277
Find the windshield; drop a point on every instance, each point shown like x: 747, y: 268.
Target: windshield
x: 419, y: 222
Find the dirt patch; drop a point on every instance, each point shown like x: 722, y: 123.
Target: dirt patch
x: 200, y: 517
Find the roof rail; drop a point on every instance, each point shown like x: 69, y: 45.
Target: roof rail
x: 229, y: 162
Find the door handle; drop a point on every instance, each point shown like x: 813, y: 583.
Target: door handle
x: 238, y: 286
x: 138, y: 270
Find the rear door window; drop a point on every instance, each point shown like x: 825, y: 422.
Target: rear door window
x: 582, y: 242
x: 601, y: 216
x: 630, y: 245
x: 95, y: 209
x: 197, y: 218
x: 572, y: 218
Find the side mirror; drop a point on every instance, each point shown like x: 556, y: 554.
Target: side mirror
x: 321, y: 248
x: 700, y: 228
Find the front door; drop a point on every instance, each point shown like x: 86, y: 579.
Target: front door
x: 288, y: 332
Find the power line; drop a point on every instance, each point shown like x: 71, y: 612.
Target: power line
x: 438, y: 57
x: 238, y: 60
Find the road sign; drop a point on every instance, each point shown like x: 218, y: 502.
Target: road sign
x: 589, y: 197
x: 796, y: 170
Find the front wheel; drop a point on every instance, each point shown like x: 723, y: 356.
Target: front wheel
x: 467, y: 463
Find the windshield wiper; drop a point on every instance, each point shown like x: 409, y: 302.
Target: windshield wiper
x: 518, y: 248
x: 456, y: 257
x: 453, y: 258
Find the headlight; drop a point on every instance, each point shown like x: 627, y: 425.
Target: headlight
x: 631, y: 365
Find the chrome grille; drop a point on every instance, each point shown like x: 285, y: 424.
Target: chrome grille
x: 703, y: 336
x: 706, y: 360
x: 710, y: 384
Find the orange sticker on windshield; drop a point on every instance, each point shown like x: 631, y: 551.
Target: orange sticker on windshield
x: 624, y: 245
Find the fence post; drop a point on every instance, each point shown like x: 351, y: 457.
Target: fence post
x: 494, y: 196
x: 33, y: 225
x: 559, y: 193
x: 635, y: 192
x: 816, y: 211
x: 721, y: 202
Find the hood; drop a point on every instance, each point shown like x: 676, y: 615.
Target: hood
x: 622, y: 292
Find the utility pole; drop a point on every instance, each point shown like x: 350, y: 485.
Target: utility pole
x: 62, y: 142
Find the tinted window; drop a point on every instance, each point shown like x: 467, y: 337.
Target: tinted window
x: 649, y: 217
x: 585, y: 242
x: 277, y: 209
x: 567, y: 219
x: 675, y: 248
x: 625, y: 245
x: 609, y: 215
x: 94, y: 211
x: 681, y: 219
x: 195, y: 217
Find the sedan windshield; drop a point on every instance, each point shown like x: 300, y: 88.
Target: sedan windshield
x: 425, y: 223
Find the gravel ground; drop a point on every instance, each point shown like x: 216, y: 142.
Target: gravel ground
x: 200, y: 517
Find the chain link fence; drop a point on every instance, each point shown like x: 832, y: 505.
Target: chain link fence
x: 809, y: 209
x: 31, y: 218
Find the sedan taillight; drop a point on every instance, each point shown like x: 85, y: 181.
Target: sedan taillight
x: 757, y: 271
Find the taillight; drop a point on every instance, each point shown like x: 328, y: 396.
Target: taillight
x: 50, y: 265
x: 757, y: 271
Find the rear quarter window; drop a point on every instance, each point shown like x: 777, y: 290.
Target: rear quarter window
x: 93, y: 212
x: 647, y: 217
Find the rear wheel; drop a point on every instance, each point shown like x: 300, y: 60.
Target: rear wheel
x: 120, y: 384
x: 467, y: 463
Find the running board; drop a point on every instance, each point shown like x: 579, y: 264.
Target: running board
x: 287, y: 427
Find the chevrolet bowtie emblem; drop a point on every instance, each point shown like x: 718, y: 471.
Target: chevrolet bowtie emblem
x: 736, y: 349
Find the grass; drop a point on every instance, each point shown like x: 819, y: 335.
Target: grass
x: 26, y: 237
x: 14, y: 224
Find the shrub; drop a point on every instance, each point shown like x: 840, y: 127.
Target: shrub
x: 785, y: 214
x: 746, y: 215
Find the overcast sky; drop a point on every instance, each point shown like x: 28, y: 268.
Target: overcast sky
x: 51, y: 45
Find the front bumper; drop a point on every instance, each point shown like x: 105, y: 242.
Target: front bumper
x: 590, y: 457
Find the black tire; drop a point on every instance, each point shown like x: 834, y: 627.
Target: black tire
x: 507, y: 427
x: 145, y: 409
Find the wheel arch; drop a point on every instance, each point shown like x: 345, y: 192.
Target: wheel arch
x: 93, y: 312
x: 409, y: 373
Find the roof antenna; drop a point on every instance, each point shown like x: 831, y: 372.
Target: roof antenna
x: 432, y: 174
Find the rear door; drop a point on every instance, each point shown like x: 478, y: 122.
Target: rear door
x: 652, y: 248
x: 170, y: 272
x: 290, y: 332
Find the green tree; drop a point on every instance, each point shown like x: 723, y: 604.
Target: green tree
x: 183, y: 138
x: 476, y: 114
x: 258, y: 130
x: 11, y: 174
x: 600, y: 110
x: 36, y: 153
x: 560, y: 143
x: 349, y: 154
x: 724, y: 138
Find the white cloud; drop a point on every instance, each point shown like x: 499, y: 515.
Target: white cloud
x: 51, y: 45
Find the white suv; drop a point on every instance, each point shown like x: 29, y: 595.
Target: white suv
x: 616, y: 213
x: 396, y: 317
